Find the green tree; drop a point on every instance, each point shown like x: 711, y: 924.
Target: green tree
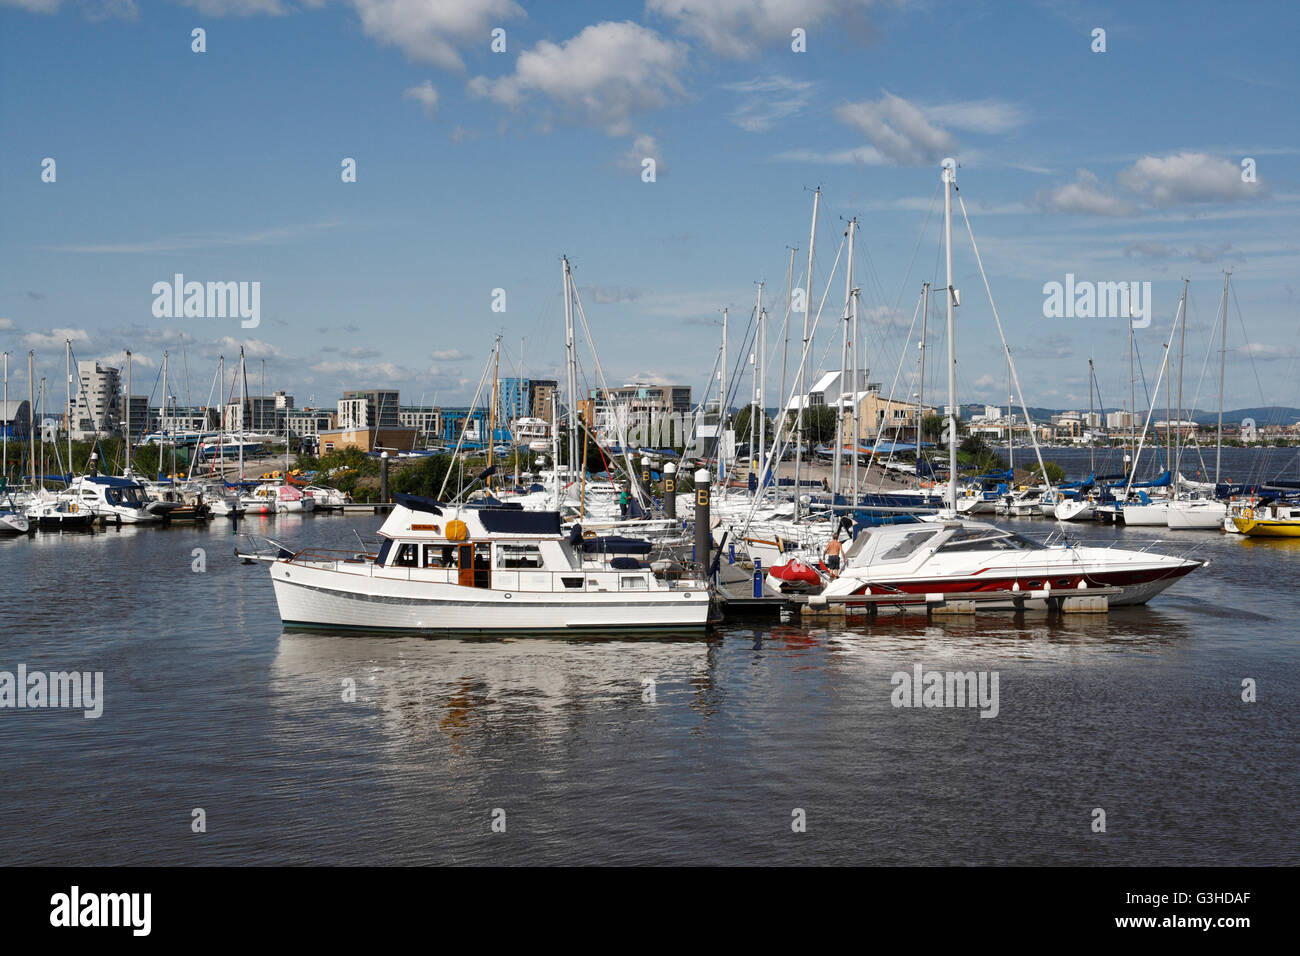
x: 819, y: 424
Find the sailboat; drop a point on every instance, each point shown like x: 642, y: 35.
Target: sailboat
x: 955, y: 555
x: 1199, y: 513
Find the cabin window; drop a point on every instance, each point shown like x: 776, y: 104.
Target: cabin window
x: 519, y: 557
x: 382, y: 558
x: 908, y: 546
x: 439, y: 556
x: 628, y: 582
x: 407, y: 557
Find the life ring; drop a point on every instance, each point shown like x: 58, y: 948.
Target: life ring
x: 588, y: 534
x: 1249, y: 514
x: 74, y: 508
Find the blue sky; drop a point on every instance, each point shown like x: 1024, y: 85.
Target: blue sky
x: 476, y: 170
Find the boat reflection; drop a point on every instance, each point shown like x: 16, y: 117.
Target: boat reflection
x: 476, y: 687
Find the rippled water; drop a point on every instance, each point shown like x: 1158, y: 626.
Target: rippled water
x: 210, y: 704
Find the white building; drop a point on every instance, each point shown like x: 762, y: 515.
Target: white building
x: 96, y: 407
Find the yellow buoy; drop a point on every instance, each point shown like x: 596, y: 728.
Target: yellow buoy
x: 457, y: 530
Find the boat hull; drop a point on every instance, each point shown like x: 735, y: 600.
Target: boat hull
x: 1268, y: 528
x: 320, y: 597
x: 1196, y: 516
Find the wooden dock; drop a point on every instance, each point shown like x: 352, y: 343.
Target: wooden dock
x: 735, y: 602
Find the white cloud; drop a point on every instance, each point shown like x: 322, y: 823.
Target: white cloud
x: 1265, y: 351
x: 7, y: 325
x: 738, y: 28
x: 48, y: 340
x: 1086, y: 196
x: 978, y: 116
x: 1188, y: 178
x: 118, y: 360
x: 602, y: 76
x: 448, y: 355
x: 899, y: 130
x: 253, y: 348
x: 427, y: 30
x: 237, y: 8
x: 862, y: 155
x: 91, y: 9
x: 769, y: 99
x: 425, y: 95
x: 644, y: 147
x: 363, y: 371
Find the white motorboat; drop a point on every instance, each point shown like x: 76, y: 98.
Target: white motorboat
x: 444, y: 567
x: 972, y: 557
x: 118, y: 499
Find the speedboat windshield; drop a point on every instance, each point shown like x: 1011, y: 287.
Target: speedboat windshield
x: 988, y: 539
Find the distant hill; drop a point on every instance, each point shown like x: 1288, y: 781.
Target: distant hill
x: 1263, y: 415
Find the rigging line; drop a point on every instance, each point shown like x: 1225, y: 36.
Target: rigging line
x: 1038, y: 452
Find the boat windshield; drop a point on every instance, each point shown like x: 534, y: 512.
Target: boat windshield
x: 988, y: 539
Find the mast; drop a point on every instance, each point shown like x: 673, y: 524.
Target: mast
x: 161, y: 415
x: 844, y: 370
x: 1223, y: 354
x: 570, y: 359
x: 243, y: 408
x: 31, y: 413
x: 856, y: 432
x: 760, y: 386
x: 128, y: 413
x: 785, y: 352
x: 722, y: 408
x: 67, y: 362
x: 492, y: 418
x: 1011, y: 431
x: 221, y: 417
x: 949, y: 179
x: 1132, y: 398
x: 1092, y: 455
x: 4, y: 438
x: 1182, y: 341
x: 803, y: 361
x: 920, y: 385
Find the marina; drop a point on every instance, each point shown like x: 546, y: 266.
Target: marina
x: 667, y: 434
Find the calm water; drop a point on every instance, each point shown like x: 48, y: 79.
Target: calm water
x: 209, y: 703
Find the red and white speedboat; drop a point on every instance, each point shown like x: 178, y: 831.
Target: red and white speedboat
x: 971, y: 556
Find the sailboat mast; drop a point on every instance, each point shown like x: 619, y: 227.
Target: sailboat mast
x: 243, y: 409
x: 845, y: 384
x: 162, y: 413
x: 128, y: 413
x: 569, y: 360
x: 1011, y: 431
x: 1092, y: 456
x: 1182, y: 342
x: 803, y: 360
x: 760, y: 373
x: 492, y: 418
x: 920, y: 385
x: 31, y: 412
x: 4, y: 436
x: 856, y: 432
x: 722, y: 408
x: 785, y: 352
x: 67, y: 362
x: 1132, y: 398
x: 1223, y: 354
x: 949, y: 178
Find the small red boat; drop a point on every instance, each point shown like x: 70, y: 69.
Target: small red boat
x: 794, y: 575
